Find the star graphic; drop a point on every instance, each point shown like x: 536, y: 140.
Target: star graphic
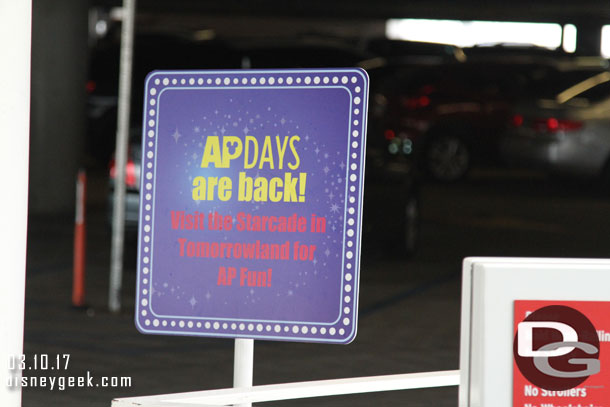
x: 193, y: 301
x: 246, y: 130
x: 326, y: 170
x: 176, y: 135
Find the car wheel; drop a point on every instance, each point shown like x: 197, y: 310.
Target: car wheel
x: 447, y: 158
x: 604, y: 178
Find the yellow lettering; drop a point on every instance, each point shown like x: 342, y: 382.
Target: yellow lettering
x: 211, y: 153
x: 199, y: 189
x: 204, y: 189
x: 261, y: 189
x: 227, y: 142
x: 297, y: 160
x: 225, y: 188
x: 250, y: 140
x: 266, y: 154
x: 244, y: 190
x: 281, y: 150
x: 274, y: 184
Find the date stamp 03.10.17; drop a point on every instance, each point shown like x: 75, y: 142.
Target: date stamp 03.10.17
x: 50, y: 371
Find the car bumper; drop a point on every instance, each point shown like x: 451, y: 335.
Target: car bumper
x: 560, y: 153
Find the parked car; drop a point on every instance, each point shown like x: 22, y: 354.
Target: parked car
x: 401, y: 51
x: 133, y: 170
x: 391, y: 217
x: 566, y: 129
x: 455, y: 114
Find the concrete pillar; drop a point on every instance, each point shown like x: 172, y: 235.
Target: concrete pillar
x: 15, y: 34
x: 59, y: 66
x: 589, y: 38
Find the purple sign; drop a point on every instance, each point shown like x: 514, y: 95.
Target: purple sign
x: 251, y: 204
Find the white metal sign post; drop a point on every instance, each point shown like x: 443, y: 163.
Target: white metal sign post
x: 243, y: 369
x: 122, y: 139
x: 291, y: 391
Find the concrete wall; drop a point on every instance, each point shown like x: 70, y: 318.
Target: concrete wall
x: 59, y: 66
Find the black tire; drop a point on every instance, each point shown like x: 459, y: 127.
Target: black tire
x: 604, y: 179
x: 447, y: 158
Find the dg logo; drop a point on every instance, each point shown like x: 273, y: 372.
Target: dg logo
x: 556, y: 348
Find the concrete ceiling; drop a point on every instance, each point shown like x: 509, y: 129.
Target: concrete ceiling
x: 515, y: 10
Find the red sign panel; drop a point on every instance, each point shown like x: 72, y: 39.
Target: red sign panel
x: 561, y: 354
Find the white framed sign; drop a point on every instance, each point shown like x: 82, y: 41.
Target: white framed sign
x: 492, y: 290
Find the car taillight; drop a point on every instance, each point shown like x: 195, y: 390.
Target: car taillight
x: 552, y: 124
x: 90, y: 86
x: 130, y: 172
x: 416, y: 102
x: 517, y: 120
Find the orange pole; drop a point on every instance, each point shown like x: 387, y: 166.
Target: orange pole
x: 80, y: 240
